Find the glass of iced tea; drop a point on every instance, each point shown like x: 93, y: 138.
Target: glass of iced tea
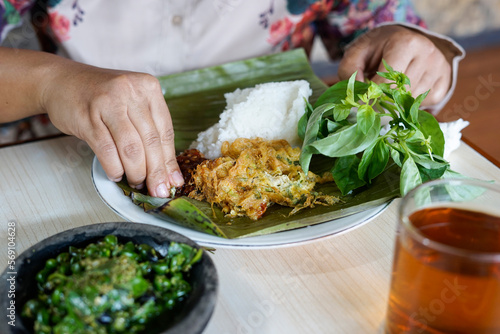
x: 446, y: 269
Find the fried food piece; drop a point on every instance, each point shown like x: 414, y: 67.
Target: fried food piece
x: 188, y: 161
x: 253, y: 174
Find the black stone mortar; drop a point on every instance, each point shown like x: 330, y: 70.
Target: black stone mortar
x: 191, y: 315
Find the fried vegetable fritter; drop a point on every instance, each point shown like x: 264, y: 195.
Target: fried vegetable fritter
x: 253, y: 174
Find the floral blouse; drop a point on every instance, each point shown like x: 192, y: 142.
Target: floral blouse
x: 167, y: 36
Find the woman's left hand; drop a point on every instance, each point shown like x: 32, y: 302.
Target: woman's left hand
x: 406, y: 51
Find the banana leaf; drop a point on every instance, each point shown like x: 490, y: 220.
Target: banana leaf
x: 196, y: 99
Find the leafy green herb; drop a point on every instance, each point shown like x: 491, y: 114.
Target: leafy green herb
x: 345, y: 125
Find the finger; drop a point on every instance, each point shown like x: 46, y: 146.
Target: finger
x: 163, y: 121
x: 355, y: 59
x: 364, y: 54
x: 438, y: 91
x: 421, y: 80
x: 438, y: 80
x: 398, y: 58
x: 157, y: 178
x: 129, y: 145
x: 102, y: 144
x: 426, y: 73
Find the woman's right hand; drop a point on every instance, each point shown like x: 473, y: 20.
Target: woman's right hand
x: 122, y: 115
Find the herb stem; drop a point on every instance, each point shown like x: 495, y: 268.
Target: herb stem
x: 389, y: 108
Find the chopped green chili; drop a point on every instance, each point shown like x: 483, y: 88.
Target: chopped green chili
x: 109, y: 287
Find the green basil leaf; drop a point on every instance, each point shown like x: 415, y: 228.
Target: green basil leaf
x: 306, y: 156
x: 345, y: 174
x: 404, y: 101
x: 430, y: 169
x: 451, y: 174
x: 311, y: 134
x: 323, y: 129
x: 402, y: 80
x: 365, y: 162
x: 364, y: 98
x: 374, y: 91
x: 464, y: 192
x: 302, y: 125
x: 426, y: 162
x: 388, y: 67
x: 340, y: 112
x: 332, y: 126
x: 338, y: 92
x: 427, y: 174
x: 373, y: 161
x: 309, y: 108
x: 347, y: 141
x: 350, y: 90
x: 386, y: 75
x: 423, y: 197
x: 417, y: 142
x: 396, y: 156
x: 380, y: 159
x: 365, y: 118
x: 386, y: 88
x: 314, y: 122
x: 321, y: 164
x: 410, y: 176
x: 415, y: 107
x: 430, y: 127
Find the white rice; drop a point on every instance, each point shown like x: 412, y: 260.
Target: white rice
x: 270, y: 111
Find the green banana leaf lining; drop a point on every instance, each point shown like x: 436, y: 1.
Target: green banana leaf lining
x: 195, y: 100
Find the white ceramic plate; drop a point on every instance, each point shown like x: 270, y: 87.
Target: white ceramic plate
x: 113, y: 196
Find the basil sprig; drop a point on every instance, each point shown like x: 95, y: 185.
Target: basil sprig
x: 345, y: 125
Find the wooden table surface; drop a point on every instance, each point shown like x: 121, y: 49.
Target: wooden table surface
x: 338, y: 284
x: 476, y: 99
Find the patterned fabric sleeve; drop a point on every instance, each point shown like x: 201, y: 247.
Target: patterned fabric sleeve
x: 11, y: 12
x: 348, y: 19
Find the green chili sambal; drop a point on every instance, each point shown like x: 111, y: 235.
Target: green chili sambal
x: 109, y: 287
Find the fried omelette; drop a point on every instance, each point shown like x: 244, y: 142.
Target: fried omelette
x: 253, y: 174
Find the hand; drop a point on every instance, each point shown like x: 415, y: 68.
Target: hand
x: 406, y: 51
x: 124, y: 119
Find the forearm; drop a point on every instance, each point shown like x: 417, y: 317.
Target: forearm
x: 24, y: 76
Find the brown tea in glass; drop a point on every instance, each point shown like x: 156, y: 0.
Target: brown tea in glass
x: 446, y: 269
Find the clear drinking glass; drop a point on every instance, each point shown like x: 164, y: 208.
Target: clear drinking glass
x: 446, y: 269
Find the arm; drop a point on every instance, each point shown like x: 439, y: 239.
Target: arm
x: 121, y: 115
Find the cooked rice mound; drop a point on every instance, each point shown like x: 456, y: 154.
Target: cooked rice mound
x: 270, y: 110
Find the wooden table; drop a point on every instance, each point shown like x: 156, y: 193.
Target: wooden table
x: 337, y: 284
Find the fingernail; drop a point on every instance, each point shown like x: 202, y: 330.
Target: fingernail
x: 162, y: 190
x: 118, y: 179
x: 138, y: 186
x: 177, y: 178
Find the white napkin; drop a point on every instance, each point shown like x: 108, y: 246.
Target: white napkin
x: 452, y: 135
